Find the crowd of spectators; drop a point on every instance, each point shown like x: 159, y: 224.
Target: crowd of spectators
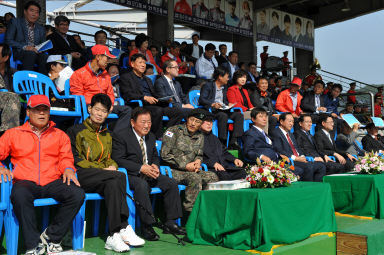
x: 268, y: 121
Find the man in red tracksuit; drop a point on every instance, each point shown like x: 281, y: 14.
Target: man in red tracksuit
x: 43, y: 167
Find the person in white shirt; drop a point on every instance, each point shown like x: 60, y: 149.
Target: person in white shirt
x: 206, y: 64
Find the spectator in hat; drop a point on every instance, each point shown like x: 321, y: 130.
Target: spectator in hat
x: 64, y: 44
x: 92, y: 79
x: 352, y: 98
x: 289, y: 100
x: 379, y: 92
x: 312, y: 77
x: 348, y: 108
x: 286, y: 62
x: 182, y: 150
x: 264, y: 57
x: 24, y: 34
x: 216, y: 156
x: 141, y: 42
x: 378, y: 104
x: 44, y: 160
x: 373, y: 142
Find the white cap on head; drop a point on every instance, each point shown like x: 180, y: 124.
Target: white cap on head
x: 57, y: 59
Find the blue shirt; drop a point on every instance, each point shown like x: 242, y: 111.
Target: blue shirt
x: 331, y: 104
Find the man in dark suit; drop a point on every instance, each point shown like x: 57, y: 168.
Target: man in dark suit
x: 64, y: 44
x: 231, y: 64
x: 313, y: 101
x: 216, y: 156
x: 326, y: 144
x: 135, y: 150
x: 194, y: 50
x: 213, y: 95
x: 306, y: 142
x: 166, y: 86
x: 135, y: 85
x: 256, y: 143
x: 24, y: 34
x: 285, y: 143
x: 222, y: 58
x: 373, y: 141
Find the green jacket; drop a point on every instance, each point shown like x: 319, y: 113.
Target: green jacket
x: 91, y: 147
x: 179, y: 147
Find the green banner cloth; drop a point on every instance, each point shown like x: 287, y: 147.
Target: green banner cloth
x: 260, y: 218
x: 359, y: 194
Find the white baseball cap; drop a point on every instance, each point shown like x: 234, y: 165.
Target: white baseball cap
x: 57, y: 59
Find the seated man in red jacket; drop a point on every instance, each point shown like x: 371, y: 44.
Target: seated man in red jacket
x: 43, y: 167
x: 92, y: 79
x: 174, y: 54
x: 289, y: 100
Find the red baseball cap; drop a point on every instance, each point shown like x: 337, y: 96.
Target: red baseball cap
x: 296, y: 81
x: 36, y: 100
x: 99, y: 49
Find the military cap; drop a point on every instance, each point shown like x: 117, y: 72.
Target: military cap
x: 198, y: 114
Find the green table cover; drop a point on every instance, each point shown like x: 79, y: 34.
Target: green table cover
x: 260, y: 218
x: 361, y: 195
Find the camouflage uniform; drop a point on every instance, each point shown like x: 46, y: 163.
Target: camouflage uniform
x: 10, y: 110
x: 180, y: 148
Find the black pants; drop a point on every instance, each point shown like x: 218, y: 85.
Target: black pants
x: 113, y: 187
x: 30, y: 58
x: 157, y: 112
x: 124, y: 121
x: 310, y: 171
x: 222, y: 125
x: 230, y: 174
x: 141, y: 189
x: 71, y: 197
x: 334, y: 168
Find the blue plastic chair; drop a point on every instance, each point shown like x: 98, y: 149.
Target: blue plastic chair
x: 2, y: 37
x: 85, y: 114
x: 4, y: 204
x: 152, y: 77
x: 194, y: 98
x: 313, y: 129
x: 29, y: 83
x: 3, y: 90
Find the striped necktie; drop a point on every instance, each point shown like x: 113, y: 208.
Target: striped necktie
x: 143, y: 150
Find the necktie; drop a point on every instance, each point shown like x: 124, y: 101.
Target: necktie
x: 292, y: 147
x: 143, y: 151
x: 266, y: 137
x: 309, y: 137
x: 174, y: 92
x: 317, y: 101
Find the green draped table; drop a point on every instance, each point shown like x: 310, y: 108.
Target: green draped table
x: 361, y: 195
x: 260, y: 218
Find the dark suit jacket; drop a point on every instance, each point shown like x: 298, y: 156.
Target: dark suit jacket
x: 17, y: 34
x: 227, y: 66
x: 189, y: 49
x: 208, y: 94
x: 163, y: 89
x: 255, y: 145
x: 371, y: 144
x: 324, y: 145
x: 281, y: 145
x: 60, y: 46
x: 308, y: 103
x: 264, y: 102
x: 220, y: 60
x: 216, y: 152
x: 127, y: 153
x: 305, y: 143
x: 131, y: 89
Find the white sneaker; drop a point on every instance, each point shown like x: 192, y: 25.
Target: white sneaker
x: 116, y: 244
x: 129, y: 237
x: 51, y: 246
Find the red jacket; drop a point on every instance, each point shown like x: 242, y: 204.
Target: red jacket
x: 234, y: 97
x: 284, y: 102
x: 85, y: 82
x: 41, y: 160
x: 351, y: 99
x: 150, y: 60
x: 166, y: 57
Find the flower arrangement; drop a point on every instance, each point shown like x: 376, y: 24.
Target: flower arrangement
x: 272, y: 175
x: 371, y: 163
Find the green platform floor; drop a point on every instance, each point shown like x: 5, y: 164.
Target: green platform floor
x: 167, y: 245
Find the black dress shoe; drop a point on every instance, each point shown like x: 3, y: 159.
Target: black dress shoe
x: 148, y: 233
x: 173, y: 228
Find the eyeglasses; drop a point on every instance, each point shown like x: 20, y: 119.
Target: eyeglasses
x: 176, y: 67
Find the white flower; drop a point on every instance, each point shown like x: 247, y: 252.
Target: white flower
x: 267, y: 171
x: 270, y: 179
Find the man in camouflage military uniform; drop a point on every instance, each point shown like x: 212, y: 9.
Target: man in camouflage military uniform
x: 182, y: 149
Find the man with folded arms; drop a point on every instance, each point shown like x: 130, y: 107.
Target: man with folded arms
x: 43, y: 168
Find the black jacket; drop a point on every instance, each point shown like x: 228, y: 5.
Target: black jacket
x: 324, y: 145
x: 130, y: 89
x: 163, y: 89
x: 308, y: 103
x: 264, y: 102
x: 307, y: 144
x: 127, y: 153
x: 255, y: 145
x: 371, y: 144
x: 215, y: 152
x: 208, y: 94
x: 189, y: 50
x: 281, y: 145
